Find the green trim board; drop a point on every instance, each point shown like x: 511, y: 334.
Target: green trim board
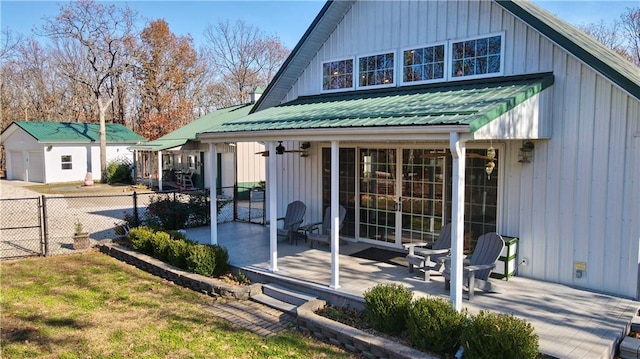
x: 473, y: 103
x: 75, y: 132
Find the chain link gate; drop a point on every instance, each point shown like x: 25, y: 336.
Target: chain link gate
x: 21, y: 232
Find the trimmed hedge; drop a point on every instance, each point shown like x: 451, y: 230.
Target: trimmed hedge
x: 387, y: 306
x: 496, y: 335
x: 435, y: 326
x: 174, y: 248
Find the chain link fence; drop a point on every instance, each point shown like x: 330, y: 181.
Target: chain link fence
x: 46, y: 225
x: 21, y: 227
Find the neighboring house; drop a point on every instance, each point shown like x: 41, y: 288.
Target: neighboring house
x: 181, y: 152
x: 50, y: 152
x: 491, y: 115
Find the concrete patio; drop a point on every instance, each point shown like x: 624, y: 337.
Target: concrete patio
x: 570, y: 322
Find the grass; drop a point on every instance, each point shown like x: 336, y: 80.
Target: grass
x: 90, y: 305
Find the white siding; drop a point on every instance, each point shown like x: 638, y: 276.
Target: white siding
x: 251, y: 166
x: 579, y: 201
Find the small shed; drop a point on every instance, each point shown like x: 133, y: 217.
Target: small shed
x: 50, y: 152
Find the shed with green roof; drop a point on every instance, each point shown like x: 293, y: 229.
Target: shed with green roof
x: 50, y: 152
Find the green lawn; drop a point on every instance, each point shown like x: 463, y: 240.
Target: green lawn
x: 90, y: 305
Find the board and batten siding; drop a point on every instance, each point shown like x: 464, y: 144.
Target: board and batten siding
x: 579, y: 199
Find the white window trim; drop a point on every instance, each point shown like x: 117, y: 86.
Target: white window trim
x: 412, y: 83
x: 62, y: 163
x: 395, y: 70
x: 354, y: 75
x: 481, y: 76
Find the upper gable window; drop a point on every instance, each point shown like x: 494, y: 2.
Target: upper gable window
x: 477, y: 57
x: 376, y: 70
x: 424, y: 64
x: 337, y: 75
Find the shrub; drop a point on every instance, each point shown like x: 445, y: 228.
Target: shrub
x: 495, y: 335
x: 119, y: 171
x: 177, y: 252
x: 140, y: 239
x: 435, y: 326
x: 166, y: 213
x: 387, y: 306
x: 201, y: 259
x: 198, y: 204
x: 160, y: 242
x: 222, y: 260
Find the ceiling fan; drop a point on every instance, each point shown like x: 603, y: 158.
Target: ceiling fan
x: 304, y: 146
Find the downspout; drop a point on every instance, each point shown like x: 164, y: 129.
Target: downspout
x: 273, y: 214
x: 458, y: 150
x: 335, y: 217
x: 213, y: 207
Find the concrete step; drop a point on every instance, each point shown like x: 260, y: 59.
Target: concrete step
x: 286, y: 295
x: 630, y: 348
x: 275, y: 303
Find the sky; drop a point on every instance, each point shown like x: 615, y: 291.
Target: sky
x: 286, y: 19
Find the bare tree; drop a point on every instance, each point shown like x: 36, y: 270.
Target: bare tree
x: 631, y: 26
x: 243, y: 57
x: 607, y: 34
x: 103, y: 32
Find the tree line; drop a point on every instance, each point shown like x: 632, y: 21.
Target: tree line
x: 622, y: 35
x: 91, y: 63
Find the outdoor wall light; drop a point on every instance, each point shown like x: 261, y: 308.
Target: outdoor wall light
x: 526, y: 152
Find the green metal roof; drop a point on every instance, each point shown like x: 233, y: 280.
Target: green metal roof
x: 473, y: 103
x: 592, y: 52
x: 74, y: 132
x: 188, y: 132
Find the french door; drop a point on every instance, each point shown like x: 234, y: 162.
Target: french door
x: 402, y: 197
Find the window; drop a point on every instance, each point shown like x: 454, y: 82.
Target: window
x: 376, y: 70
x: 337, y: 75
x: 423, y: 64
x: 66, y: 162
x: 473, y: 57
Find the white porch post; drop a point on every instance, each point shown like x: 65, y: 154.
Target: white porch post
x: 457, y: 218
x: 335, y: 220
x: 213, y: 194
x: 150, y: 168
x: 160, y: 171
x: 273, y: 209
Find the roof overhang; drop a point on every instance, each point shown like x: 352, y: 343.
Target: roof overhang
x: 155, y: 146
x: 474, y: 109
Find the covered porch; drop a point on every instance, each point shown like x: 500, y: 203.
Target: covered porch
x: 570, y: 322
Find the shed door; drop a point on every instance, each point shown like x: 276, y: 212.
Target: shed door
x: 36, y: 167
x: 17, y: 165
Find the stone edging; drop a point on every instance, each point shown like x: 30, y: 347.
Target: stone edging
x: 352, y: 339
x: 197, y: 282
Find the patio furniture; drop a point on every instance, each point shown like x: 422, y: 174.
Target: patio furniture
x: 187, y: 181
x: 428, y: 256
x: 481, y: 262
x: 322, y: 234
x: 292, y: 220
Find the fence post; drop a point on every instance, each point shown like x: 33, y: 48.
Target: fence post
x: 44, y: 235
x: 235, y: 202
x: 136, y: 217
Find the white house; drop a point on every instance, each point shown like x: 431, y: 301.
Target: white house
x: 50, y: 152
x: 491, y: 115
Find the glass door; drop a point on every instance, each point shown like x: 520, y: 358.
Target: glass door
x: 378, y: 194
x: 423, y: 194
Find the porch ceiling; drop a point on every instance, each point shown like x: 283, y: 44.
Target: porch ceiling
x: 470, y: 104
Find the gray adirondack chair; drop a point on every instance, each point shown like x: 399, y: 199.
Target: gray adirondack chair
x: 322, y: 234
x: 292, y: 220
x: 480, y: 265
x: 427, y: 256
